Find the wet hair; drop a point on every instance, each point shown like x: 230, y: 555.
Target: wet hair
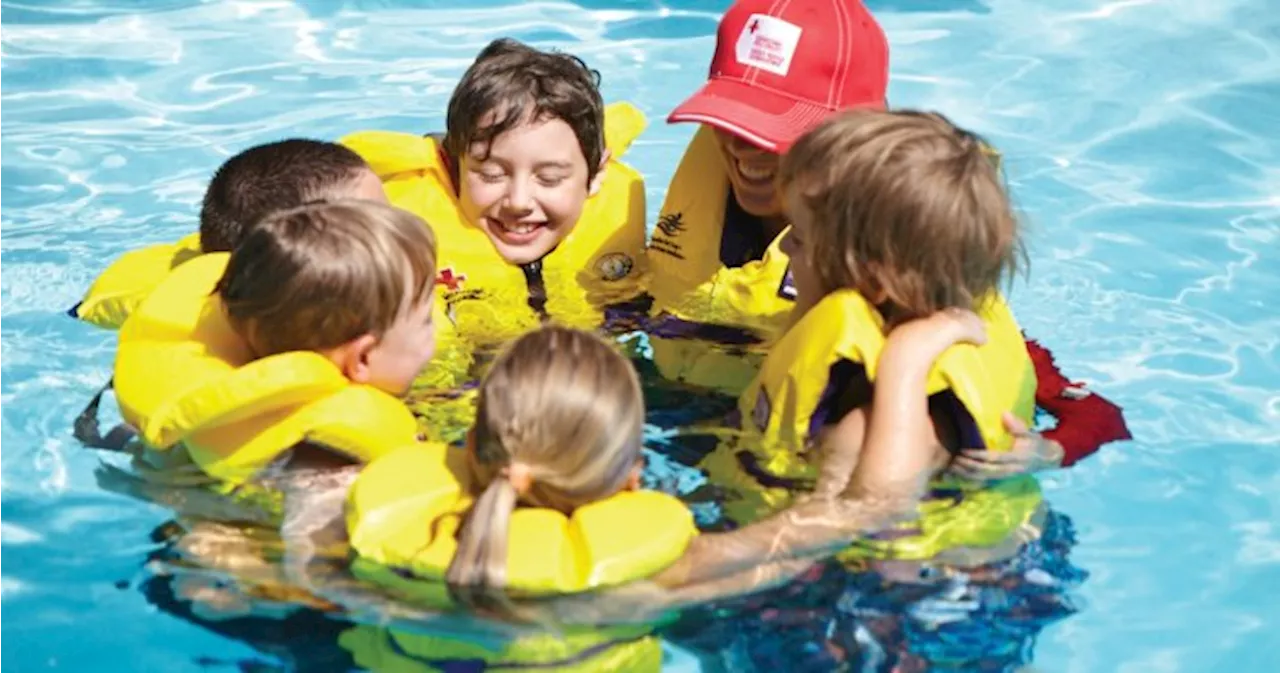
x: 315, y: 277
x: 559, y: 424
x: 905, y: 206
x: 274, y: 176
x: 511, y: 84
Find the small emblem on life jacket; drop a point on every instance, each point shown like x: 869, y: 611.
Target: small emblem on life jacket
x: 614, y: 266
x: 787, y: 288
x: 760, y: 414
x: 671, y: 223
x: 451, y: 281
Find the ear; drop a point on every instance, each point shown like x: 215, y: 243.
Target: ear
x: 603, y: 168
x: 353, y: 356
x: 870, y: 286
x: 633, y: 479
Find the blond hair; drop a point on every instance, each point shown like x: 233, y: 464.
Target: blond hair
x: 905, y: 206
x: 559, y: 424
x: 315, y: 277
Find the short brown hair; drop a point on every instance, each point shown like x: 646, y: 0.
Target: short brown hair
x: 511, y: 83
x: 269, y: 177
x: 905, y: 204
x: 315, y: 277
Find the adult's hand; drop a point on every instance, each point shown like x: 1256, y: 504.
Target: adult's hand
x: 1031, y: 452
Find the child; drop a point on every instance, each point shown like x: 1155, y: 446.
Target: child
x: 241, y: 369
x: 250, y: 185
x: 543, y: 500
x: 306, y: 333
x: 898, y: 220
x: 537, y: 218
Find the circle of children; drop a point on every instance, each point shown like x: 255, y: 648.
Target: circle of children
x: 851, y: 253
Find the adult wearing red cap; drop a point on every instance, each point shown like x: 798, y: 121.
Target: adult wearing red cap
x: 781, y: 67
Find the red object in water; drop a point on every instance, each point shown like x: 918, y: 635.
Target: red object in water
x: 1086, y: 420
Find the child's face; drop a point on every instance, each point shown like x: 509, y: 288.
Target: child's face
x: 796, y: 246
x: 528, y: 193
x: 404, y: 350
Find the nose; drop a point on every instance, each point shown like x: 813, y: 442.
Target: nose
x: 741, y: 149
x: 519, y: 197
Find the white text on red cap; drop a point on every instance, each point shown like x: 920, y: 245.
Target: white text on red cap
x: 768, y: 43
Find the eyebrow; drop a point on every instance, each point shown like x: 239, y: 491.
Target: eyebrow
x: 562, y: 165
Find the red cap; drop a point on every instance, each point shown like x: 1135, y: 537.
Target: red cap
x: 782, y: 66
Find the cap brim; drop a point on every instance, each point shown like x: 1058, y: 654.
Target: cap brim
x: 763, y: 117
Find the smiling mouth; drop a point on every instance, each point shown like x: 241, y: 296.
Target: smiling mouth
x: 519, y: 227
x: 754, y: 175
x: 516, y: 232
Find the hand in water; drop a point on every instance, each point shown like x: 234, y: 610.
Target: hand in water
x: 1030, y: 453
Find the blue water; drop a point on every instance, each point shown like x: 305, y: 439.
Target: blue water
x: 1140, y: 139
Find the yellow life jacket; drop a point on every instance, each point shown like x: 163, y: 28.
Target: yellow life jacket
x: 600, y: 262
x: 129, y: 279
x: 628, y: 649
x: 766, y: 463
x: 689, y: 283
x: 404, y: 509
x: 184, y: 377
x: 403, y: 514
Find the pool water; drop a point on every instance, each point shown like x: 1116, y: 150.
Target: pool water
x: 1141, y: 142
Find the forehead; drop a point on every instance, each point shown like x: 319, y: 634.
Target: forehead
x: 545, y: 140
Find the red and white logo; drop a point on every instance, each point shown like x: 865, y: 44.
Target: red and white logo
x: 768, y: 43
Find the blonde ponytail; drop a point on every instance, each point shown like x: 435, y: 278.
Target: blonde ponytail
x: 559, y: 424
x: 480, y: 564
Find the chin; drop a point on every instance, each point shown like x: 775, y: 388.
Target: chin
x: 532, y: 251
x: 764, y: 209
x: 521, y: 255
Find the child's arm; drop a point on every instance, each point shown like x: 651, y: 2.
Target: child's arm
x: 900, y: 411
x: 841, y: 448
x: 897, y: 459
x: 646, y: 601
x: 909, y: 354
x: 313, y: 528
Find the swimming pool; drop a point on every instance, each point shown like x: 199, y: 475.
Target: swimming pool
x: 1139, y: 137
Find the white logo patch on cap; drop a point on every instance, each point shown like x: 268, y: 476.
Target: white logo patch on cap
x: 768, y: 43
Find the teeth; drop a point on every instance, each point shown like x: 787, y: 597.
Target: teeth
x: 518, y: 227
x: 755, y: 173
